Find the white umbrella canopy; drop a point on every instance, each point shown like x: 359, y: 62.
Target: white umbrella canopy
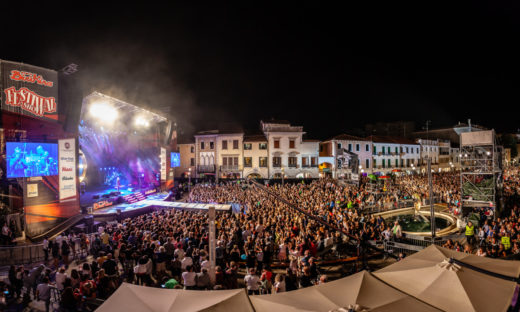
x: 429, y: 276
x: 362, y: 290
x: 130, y: 298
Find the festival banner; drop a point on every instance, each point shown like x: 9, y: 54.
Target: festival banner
x: 163, y: 164
x: 67, y: 168
x: 29, y: 90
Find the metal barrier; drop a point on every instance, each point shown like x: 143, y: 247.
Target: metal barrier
x: 21, y: 254
x: 392, y: 247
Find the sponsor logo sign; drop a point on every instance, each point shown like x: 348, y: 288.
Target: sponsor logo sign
x: 32, y: 190
x: 163, y: 164
x: 67, y: 165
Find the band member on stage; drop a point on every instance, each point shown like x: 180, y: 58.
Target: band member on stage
x: 118, y: 184
x: 17, y: 164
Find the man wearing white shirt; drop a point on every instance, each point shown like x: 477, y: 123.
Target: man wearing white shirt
x: 187, y: 261
x: 189, y: 277
x: 252, y: 282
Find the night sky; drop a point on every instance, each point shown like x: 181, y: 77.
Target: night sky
x: 330, y: 69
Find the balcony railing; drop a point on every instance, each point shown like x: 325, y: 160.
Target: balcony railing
x: 206, y: 168
x: 231, y: 167
x: 277, y: 165
x: 293, y: 165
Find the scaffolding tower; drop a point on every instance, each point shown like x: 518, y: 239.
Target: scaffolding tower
x: 481, y: 170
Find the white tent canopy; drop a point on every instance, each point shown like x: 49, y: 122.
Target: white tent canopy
x: 361, y: 289
x: 130, y: 298
x: 429, y: 276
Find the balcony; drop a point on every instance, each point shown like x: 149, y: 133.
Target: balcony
x: 293, y: 166
x: 231, y: 168
x: 277, y: 165
x: 206, y: 169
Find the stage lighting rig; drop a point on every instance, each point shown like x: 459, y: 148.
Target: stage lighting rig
x: 103, y: 112
x: 141, y: 121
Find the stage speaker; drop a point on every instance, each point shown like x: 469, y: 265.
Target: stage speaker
x: 95, y: 196
x: 106, y: 195
x: 168, y: 132
x: 70, y: 96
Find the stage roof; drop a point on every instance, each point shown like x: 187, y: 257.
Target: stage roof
x: 121, y: 105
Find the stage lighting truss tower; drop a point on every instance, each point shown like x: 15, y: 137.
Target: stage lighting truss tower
x: 481, y: 170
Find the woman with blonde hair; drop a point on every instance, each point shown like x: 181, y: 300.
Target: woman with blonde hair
x: 279, y: 284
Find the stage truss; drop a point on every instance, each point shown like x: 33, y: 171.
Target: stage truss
x: 481, y: 170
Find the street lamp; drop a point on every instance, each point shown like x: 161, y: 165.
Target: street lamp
x: 283, y: 176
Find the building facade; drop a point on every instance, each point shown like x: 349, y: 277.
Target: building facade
x: 256, y: 157
x: 331, y: 150
x: 187, y: 165
x: 389, y: 153
x: 288, y: 152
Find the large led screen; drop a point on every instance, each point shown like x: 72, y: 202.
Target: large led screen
x: 175, y: 160
x: 26, y: 159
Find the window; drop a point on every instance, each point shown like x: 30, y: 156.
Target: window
x: 263, y: 161
x: 339, y: 145
x: 293, y: 162
x: 402, y: 162
x: 224, y: 144
x: 235, y: 161
x: 192, y: 161
x: 350, y: 147
x: 375, y: 150
x: 277, y: 162
x: 192, y: 149
x: 224, y: 161
x: 407, y: 150
x: 291, y: 143
x: 235, y: 144
x: 262, y: 146
x: 202, y: 145
x: 388, y: 162
x: 411, y: 150
x: 408, y: 163
x: 374, y: 162
x: 396, y: 150
x: 248, y: 146
x: 314, y: 161
x: 383, y: 162
x: 383, y: 151
x: 417, y: 150
x: 277, y: 143
x: 357, y: 147
x: 211, y: 145
x: 305, y: 162
x: 367, y: 148
x: 397, y: 162
x: 367, y: 165
x: 248, y: 162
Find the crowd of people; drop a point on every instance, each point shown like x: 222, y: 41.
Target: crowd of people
x: 169, y: 248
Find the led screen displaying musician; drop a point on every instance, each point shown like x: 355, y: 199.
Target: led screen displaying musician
x: 31, y: 159
x: 175, y: 160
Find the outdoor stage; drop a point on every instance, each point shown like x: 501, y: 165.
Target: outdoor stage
x: 156, y: 201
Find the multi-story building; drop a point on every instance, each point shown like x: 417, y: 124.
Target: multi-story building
x: 331, y: 150
x: 429, y: 149
x: 444, y: 155
x: 187, y: 152
x: 256, y: 157
x: 205, y: 153
x: 229, y: 154
x: 454, y: 158
x: 390, y: 153
x: 287, y: 151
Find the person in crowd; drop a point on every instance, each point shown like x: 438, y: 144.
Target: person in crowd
x: 43, y: 292
x: 252, y: 282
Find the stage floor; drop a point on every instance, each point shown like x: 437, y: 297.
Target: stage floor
x: 86, y: 199
x: 151, y: 200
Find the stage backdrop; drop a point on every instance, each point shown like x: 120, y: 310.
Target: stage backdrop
x: 29, y: 90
